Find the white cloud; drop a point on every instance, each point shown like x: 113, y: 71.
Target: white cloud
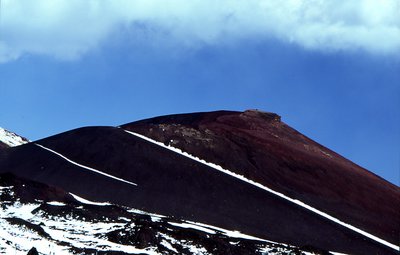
x: 66, y: 29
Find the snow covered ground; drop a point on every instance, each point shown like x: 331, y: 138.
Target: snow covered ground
x: 62, y: 233
x: 11, y: 139
x: 60, y: 228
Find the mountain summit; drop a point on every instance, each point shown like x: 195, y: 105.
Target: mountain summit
x: 238, y: 171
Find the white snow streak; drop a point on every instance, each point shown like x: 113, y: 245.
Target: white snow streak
x: 168, y: 246
x: 230, y: 233
x: 213, y: 230
x: 193, y: 226
x: 295, y: 201
x: 86, y: 167
x: 55, y: 203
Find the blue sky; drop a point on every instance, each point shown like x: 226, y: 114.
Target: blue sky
x: 331, y: 69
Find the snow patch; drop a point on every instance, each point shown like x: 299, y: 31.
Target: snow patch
x: 11, y: 139
x: 55, y: 203
x: 63, y: 233
x: 168, y: 246
x: 88, y: 202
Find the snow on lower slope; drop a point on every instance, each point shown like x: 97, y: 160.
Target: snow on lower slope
x: 11, y: 139
x: 61, y: 233
x: 79, y: 228
x: 295, y: 201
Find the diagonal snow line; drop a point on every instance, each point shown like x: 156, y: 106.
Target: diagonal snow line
x: 295, y: 201
x: 86, y: 167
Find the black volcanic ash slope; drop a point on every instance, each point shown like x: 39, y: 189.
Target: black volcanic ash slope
x: 264, y: 149
x: 3, y: 146
x: 254, y: 144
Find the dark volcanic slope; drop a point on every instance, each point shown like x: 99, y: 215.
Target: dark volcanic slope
x: 3, y: 146
x: 171, y: 184
x: 264, y: 149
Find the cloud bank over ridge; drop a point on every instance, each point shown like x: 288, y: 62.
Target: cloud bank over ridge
x: 67, y: 29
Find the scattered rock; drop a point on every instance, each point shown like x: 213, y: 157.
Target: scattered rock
x: 33, y: 251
